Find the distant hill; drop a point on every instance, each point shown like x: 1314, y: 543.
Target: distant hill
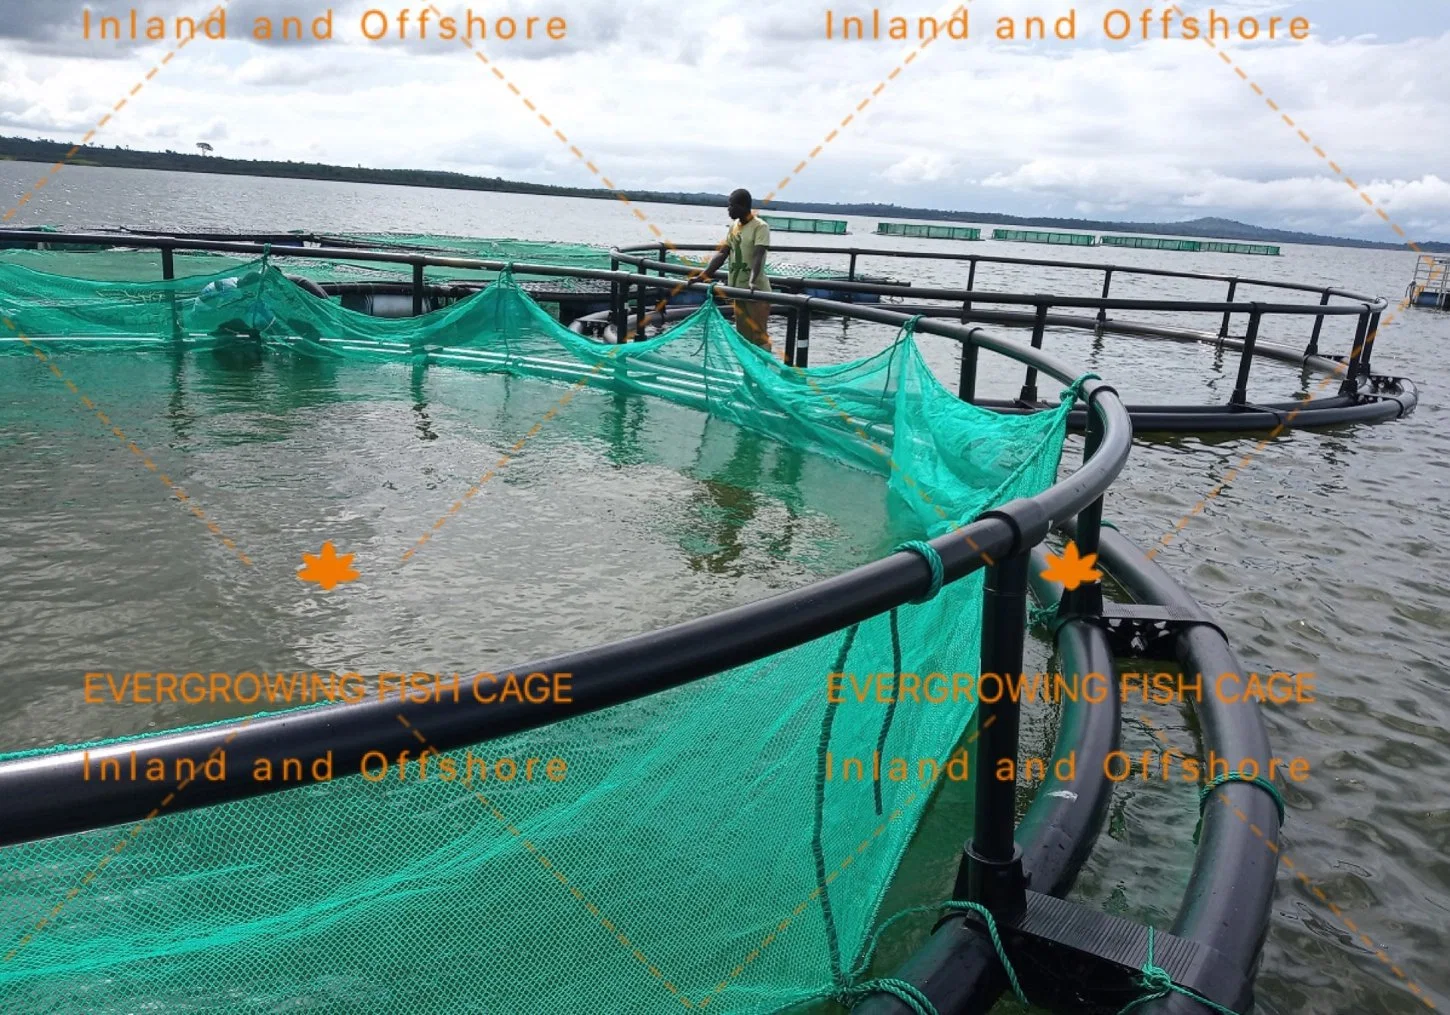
x: 50, y: 152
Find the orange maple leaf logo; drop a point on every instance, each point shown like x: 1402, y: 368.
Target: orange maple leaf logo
x: 1070, y: 569
x: 327, y: 568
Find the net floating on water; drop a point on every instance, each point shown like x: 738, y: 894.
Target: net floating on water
x: 694, y: 857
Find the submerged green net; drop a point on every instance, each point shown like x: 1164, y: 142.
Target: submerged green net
x: 698, y: 853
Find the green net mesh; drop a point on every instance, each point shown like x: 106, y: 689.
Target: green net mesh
x: 711, y: 847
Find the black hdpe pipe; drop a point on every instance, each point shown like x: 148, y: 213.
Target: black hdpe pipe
x: 632, y: 253
x: 1398, y: 399
x: 1226, y: 905
x: 957, y: 967
x: 45, y: 794
x: 1029, y: 299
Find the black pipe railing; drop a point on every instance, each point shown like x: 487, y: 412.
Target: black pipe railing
x: 45, y: 797
x: 903, y: 289
x: 1350, y: 405
x: 1123, y: 269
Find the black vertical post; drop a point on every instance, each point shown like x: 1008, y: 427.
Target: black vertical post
x: 418, y: 289
x: 639, y: 309
x: 792, y: 315
x: 1369, y: 337
x: 991, y: 870
x: 1103, y: 311
x: 1313, y: 348
x: 616, y: 302
x: 1087, y: 599
x: 971, y: 281
x: 967, y: 388
x: 1361, y: 329
x: 1223, y: 328
x: 1246, y: 358
x: 168, y: 272
x: 851, y: 274
x: 1039, y: 325
x: 803, y: 337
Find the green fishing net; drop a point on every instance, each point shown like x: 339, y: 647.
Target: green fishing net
x: 711, y: 847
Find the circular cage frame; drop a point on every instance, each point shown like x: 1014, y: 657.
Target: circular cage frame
x: 1224, y: 915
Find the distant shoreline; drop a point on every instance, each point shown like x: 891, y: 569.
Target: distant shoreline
x: 52, y: 152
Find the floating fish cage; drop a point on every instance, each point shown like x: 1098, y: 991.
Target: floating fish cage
x: 703, y: 853
x: 1149, y: 242
x: 1168, y: 243
x: 1430, y: 286
x: 929, y: 232
x: 1223, y: 247
x: 1041, y: 236
x: 790, y: 224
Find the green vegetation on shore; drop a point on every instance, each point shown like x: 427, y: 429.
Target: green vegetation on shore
x: 28, y: 150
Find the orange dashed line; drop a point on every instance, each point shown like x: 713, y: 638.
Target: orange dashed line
x: 1314, y: 889
x: 106, y: 859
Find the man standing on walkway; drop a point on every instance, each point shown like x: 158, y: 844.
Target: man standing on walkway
x: 745, y: 245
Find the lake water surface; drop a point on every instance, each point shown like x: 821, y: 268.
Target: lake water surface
x: 1326, y: 554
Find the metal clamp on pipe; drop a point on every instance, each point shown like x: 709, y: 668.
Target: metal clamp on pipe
x: 1030, y: 523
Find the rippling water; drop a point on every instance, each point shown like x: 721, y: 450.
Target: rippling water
x: 1326, y: 553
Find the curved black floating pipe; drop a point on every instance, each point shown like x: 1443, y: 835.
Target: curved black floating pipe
x: 1230, y: 891
x: 957, y: 967
x: 1389, y: 397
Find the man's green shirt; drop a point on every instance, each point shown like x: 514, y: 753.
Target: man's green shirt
x: 743, y: 241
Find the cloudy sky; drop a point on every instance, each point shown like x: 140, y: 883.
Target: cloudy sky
x: 709, y: 95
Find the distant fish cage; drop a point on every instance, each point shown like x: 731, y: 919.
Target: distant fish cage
x: 1214, y: 246
x: 1431, y: 285
x: 927, y: 231
x: 1038, y: 236
x: 1150, y: 242
x: 788, y: 224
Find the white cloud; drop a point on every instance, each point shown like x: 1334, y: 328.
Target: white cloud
x: 716, y: 94
x: 920, y: 167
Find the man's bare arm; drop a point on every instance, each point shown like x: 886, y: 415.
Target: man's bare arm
x: 757, y: 268
x: 714, y: 265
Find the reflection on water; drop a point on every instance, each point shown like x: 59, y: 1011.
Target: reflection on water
x: 625, y: 500
x: 1326, y: 554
